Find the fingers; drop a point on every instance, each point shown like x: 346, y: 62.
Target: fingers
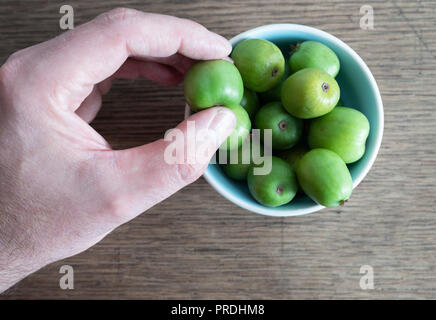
x: 143, y: 176
x: 177, y: 61
x: 71, y: 64
x: 157, y: 72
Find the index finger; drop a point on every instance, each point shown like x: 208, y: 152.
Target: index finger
x: 71, y: 64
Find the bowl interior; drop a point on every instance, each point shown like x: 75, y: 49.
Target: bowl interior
x: 358, y: 90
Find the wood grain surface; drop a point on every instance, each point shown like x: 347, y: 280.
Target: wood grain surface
x: 198, y: 245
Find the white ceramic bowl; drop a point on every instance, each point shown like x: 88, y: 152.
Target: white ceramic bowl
x: 358, y: 90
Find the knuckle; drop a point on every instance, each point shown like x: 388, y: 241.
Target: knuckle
x: 118, y: 15
x: 9, y: 69
x: 192, y: 24
x: 14, y: 57
x: 188, y: 173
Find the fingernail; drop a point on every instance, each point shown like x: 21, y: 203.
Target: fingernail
x: 223, y: 123
x: 223, y: 42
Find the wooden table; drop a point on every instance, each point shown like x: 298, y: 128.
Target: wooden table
x: 196, y: 244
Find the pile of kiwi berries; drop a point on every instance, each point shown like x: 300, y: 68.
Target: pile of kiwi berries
x: 307, y: 135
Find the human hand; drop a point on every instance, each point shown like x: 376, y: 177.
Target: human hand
x: 62, y: 188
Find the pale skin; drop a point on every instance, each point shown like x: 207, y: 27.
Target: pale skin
x: 62, y: 187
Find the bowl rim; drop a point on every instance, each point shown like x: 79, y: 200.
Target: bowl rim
x: 379, y: 134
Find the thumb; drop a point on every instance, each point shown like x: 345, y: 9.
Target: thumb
x: 150, y: 173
